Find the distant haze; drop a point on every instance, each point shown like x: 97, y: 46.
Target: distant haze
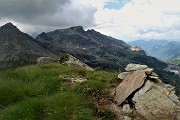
x: 123, y: 19
x: 161, y: 49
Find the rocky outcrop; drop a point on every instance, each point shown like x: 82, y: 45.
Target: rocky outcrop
x: 72, y: 61
x: 144, y: 93
x: 45, y: 60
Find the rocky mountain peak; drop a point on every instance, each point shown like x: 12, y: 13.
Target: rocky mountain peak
x: 18, y: 48
x: 78, y: 28
x: 9, y: 24
x: 9, y: 27
x: 92, y: 31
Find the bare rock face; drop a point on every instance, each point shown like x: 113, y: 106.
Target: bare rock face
x: 72, y: 61
x: 156, y: 102
x: 154, y: 105
x: 131, y: 83
x: 151, y: 98
x: 147, y: 86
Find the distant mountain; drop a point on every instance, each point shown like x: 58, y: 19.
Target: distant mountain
x: 94, y: 48
x: 34, y: 34
x: 18, y: 48
x: 161, y: 49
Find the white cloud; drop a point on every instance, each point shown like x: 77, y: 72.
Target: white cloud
x: 140, y: 19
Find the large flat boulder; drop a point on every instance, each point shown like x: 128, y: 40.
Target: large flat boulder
x: 132, y: 82
x: 134, y: 67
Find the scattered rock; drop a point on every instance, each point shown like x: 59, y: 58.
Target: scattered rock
x: 134, y: 67
x: 73, y: 79
x: 126, y: 109
x: 72, y: 61
x: 117, y: 111
x: 127, y: 118
x: 45, y: 60
x: 123, y: 75
x: 131, y: 83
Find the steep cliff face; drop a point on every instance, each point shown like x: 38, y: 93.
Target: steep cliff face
x: 94, y: 48
x: 17, y: 48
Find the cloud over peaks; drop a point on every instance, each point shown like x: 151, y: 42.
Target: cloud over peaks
x: 47, y: 13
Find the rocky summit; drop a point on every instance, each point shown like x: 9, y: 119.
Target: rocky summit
x: 143, y: 92
x: 18, y: 48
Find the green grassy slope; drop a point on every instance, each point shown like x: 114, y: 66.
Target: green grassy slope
x: 37, y: 92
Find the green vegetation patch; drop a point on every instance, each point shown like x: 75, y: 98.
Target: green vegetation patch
x: 68, y: 106
x: 38, y: 92
x: 27, y: 110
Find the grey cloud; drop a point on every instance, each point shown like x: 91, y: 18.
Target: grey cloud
x: 59, y: 13
x: 29, y: 8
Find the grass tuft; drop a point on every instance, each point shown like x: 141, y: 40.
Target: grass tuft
x: 38, y: 92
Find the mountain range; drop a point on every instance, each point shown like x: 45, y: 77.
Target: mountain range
x: 95, y: 49
x: 91, y: 47
x: 161, y: 49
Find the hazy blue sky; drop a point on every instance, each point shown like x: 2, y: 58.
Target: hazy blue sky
x: 123, y: 19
